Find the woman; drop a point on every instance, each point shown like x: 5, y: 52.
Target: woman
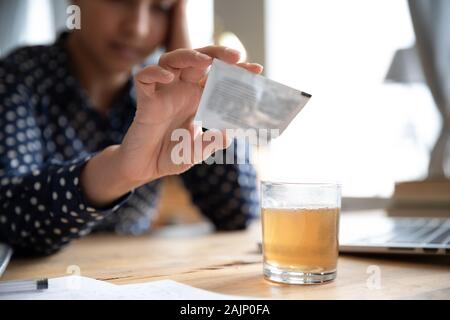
x: 83, y: 143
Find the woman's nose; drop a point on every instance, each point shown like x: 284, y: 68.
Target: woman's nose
x: 138, y: 22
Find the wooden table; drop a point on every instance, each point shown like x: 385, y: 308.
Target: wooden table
x: 229, y: 263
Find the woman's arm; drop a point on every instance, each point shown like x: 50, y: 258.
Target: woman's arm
x: 42, y: 204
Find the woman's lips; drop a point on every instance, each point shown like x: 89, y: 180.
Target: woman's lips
x: 126, y: 52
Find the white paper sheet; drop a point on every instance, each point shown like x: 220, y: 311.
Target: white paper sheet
x: 83, y: 288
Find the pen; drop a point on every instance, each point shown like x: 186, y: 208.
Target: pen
x: 23, y: 285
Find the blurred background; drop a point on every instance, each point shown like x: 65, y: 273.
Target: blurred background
x: 368, y: 126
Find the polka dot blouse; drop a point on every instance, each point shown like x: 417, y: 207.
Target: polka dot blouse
x: 48, y: 132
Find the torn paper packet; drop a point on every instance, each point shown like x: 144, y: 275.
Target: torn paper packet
x: 235, y: 98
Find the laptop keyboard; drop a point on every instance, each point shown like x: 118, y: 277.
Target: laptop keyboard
x: 420, y: 231
x: 441, y: 239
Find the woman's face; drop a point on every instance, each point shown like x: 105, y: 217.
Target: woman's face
x: 118, y: 34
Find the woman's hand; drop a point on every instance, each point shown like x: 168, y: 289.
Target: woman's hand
x: 178, y: 36
x: 168, y: 95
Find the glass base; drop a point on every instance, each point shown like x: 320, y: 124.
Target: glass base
x: 290, y: 276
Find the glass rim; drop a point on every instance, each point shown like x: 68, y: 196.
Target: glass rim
x: 305, y: 184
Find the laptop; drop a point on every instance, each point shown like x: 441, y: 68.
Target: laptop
x: 377, y: 233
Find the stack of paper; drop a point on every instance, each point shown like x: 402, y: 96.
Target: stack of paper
x: 82, y: 288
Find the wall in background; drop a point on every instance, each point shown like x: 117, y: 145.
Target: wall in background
x: 25, y: 22
x: 246, y: 20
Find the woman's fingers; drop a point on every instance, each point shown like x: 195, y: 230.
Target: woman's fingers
x: 252, y: 67
x: 194, y: 63
x: 185, y: 58
x: 148, y: 77
x: 193, y: 75
x: 223, y: 53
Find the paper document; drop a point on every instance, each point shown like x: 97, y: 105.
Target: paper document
x: 235, y: 98
x: 82, y: 288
